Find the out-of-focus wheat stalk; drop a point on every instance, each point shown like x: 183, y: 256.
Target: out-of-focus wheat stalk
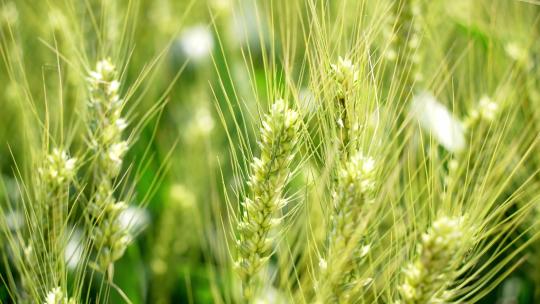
x: 439, y: 252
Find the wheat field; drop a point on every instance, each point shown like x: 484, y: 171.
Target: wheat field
x: 280, y: 151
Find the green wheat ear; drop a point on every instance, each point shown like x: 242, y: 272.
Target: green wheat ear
x: 269, y: 175
x: 406, y: 43
x: 353, y: 190
x: 105, y: 107
x: 56, y: 175
x: 427, y: 278
x: 44, y: 255
x: 345, y: 79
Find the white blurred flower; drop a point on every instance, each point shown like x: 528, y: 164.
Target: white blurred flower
x: 246, y: 28
x: 364, y: 250
x: 9, y: 13
x: 73, y: 253
x: 323, y: 264
x: 200, y: 125
x: 270, y: 295
x: 222, y: 5
x: 519, y: 54
x: 203, y: 122
x: 437, y: 120
x: 307, y: 101
x: 134, y: 219
x: 14, y: 220
x: 182, y: 196
x: 197, y: 42
x: 390, y: 54
x: 511, y: 290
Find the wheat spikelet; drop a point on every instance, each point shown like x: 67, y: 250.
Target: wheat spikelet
x: 269, y: 175
x: 57, y: 296
x: 105, y: 107
x: 427, y: 278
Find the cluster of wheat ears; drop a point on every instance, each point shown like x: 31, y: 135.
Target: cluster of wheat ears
x: 365, y: 151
